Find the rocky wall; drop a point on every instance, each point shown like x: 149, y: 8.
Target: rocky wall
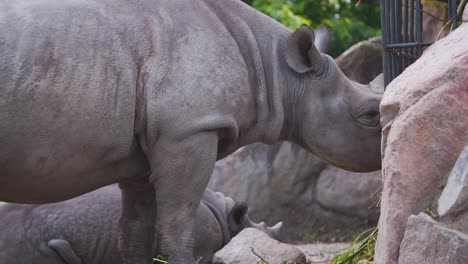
x: 424, y: 115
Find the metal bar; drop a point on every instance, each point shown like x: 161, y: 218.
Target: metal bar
x: 384, y: 42
x: 389, y: 35
x: 402, y: 39
x: 453, y: 14
x: 399, y: 59
x: 387, y: 29
x: 418, y: 26
x: 411, y: 38
x: 450, y: 8
x: 393, y: 35
x: 405, y: 30
x: 407, y: 56
x: 388, y: 39
x: 408, y: 45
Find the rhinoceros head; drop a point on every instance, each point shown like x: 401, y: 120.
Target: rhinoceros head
x: 333, y: 116
x: 238, y: 220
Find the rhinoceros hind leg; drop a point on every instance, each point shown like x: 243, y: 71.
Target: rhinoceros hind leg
x: 65, y: 250
x: 136, y: 225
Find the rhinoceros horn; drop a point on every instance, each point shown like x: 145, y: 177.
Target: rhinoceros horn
x: 238, y: 220
x: 274, y: 231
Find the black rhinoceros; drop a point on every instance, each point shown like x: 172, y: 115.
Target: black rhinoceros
x: 83, y: 230
x: 150, y: 93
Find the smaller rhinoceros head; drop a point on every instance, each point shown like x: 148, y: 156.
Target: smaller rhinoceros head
x: 238, y: 220
x: 333, y: 117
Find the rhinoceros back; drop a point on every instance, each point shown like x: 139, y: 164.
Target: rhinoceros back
x: 68, y: 79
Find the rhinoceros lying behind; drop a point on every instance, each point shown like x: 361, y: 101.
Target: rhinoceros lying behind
x: 83, y: 230
x: 150, y: 93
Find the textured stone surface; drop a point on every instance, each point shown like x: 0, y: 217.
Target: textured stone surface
x: 239, y: 250
x: 279, y: 183
x: 454, y: 198
x: 349, y: 193
x: 423, y: 115
x: 428, y: 242
x: 363, y: 61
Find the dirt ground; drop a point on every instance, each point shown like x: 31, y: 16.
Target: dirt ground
x: 320, y: 252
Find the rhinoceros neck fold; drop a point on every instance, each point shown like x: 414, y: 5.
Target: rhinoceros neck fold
x: 259, y: 39
x: 221, y: 220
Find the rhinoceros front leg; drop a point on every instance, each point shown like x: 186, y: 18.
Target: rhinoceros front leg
x: 181, y: 169
x: 136, y: 237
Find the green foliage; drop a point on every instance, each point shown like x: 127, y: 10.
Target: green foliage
x: 288, y: 13
x: 160, y: 259
x: 348, y: 23
x: 431, y: 213
x: 362, y: 249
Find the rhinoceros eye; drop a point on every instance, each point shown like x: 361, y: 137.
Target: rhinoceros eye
x: 368, y: 114
x: 371, y: 118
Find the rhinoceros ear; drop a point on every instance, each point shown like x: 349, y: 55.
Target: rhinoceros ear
x: 236, y: 217
x: 322, y: 38
x: 301, y: 54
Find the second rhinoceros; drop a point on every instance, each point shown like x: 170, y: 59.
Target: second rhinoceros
x: 150, y: 93
x: 83, y: 230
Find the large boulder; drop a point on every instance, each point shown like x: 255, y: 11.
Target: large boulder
x: 423, y: 115
x: 349, y: 193
x: 452, y: 205
x: 454, y: 198
x: 251, y: 244
x: 273, y: 180
x: 444, y: 240
x: 280, y: 182
x: 426, y: 241
x: 363, y: 61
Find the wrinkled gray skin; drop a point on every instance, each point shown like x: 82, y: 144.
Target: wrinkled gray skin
x: 150, y: 94
x: 83, y: 230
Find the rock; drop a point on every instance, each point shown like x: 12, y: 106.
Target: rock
x: 423, y: 115
x: 239, y: 250
x: 428, y: 242
x: 452, y: 205
x: 459, y: 223
x: 363, y: 61
x: 258, y: 174
x: 454, y: 198
x: 277, y: 182
x: 349, y: 193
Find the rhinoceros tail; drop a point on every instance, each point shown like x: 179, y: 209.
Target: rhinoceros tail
x: 65, y: 250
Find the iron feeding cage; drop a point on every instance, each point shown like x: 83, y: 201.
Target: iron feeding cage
x: 402, y: 28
